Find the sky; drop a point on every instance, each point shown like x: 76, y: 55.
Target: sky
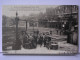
x: 24, y: 10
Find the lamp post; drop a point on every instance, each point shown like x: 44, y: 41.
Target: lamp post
x: 17, y: 44
x: 26, y: 25
x: 16, y: 19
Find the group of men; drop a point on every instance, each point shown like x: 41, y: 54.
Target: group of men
x: 28, y: 40
x: 33, y: 40
x: 44, y: 39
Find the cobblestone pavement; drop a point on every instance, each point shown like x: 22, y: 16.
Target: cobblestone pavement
x: 63, y: 46
x: 69, y: 48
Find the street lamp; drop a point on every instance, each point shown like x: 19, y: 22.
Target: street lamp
x: 17, y: 44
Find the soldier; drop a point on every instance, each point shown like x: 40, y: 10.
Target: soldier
x: 45, y: 39
x: 40, y: 40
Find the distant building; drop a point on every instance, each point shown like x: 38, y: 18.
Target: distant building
x: 62, y: 13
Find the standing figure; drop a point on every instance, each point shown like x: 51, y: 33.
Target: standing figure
x: 45, y: 39
x: 50, y: 32
x: 40, y: 40
x: 57, y: 31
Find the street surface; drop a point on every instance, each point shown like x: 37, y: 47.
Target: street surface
x: 63, y: 46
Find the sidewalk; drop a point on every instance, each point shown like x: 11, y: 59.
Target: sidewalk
x: 38, y: 50
x: 69, y: 48
x: 63, y: 48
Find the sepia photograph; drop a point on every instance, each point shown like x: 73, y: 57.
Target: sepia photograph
x: 40, y: 29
